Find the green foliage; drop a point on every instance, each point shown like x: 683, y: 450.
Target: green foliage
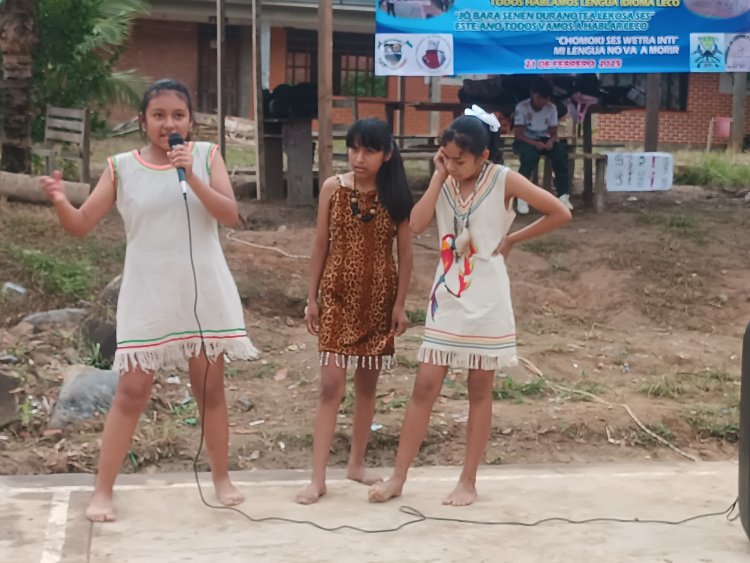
x: 416, y: 317
x: 723, y: 424
x: 95, y: 358
x: 79, y: 43
x: 715, y: 170
x: 363, y: 83
x: 513, y: 391
x: 68, y: 278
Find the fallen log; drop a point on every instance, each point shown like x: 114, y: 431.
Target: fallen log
x: 28, y: 188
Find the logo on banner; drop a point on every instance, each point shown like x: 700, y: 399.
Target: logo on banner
x: 706, y: 52
x: 434, y: 54
x: 392, y: 53
x: 738, y: 54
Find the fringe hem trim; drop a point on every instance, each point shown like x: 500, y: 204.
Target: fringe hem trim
x: 466, y: 360
x: 368, y: 362
x: 176, y: 354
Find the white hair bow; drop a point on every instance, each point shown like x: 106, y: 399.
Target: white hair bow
x: 488, y: 118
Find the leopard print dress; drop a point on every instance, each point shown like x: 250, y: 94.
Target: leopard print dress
x: 358, y: 287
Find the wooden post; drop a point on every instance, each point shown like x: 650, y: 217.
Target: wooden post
x: 257, y: 78
x: 401, y: 109
x: 245, y: 84
x: 739, y: 109
x: 325, y: 90
x: 588, y: 173
x: 653, y: 102
x: 220, y: 48
x: 435, y: 96
x: 86, y: 148
x: 296, y: 135
x: 600, y: 192
x: 744, y: 441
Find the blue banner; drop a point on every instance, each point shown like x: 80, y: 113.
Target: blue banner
x: 459, y: 37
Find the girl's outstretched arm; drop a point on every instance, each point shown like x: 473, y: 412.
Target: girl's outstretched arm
x: 79, y: 222
x: 319, y: 253
x: 424, y: 210
x: 399, y: 322
x: 555, y: 214
x: 218, y: 198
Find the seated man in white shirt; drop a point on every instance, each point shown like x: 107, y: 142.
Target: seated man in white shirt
x: 535, y: 129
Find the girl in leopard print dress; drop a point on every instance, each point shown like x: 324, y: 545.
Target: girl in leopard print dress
x: 360, y: 288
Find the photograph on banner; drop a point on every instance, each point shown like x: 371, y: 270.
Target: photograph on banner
x: 418, y: 9
x: 414, y: 54
x: 718, y: 8
x: 573, y: 36
x: 707, y: 52
x: 737, y: 56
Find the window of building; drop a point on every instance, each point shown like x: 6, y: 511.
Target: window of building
x: 674, y: 88
x: 298, y: 67
x: 353, y: 63
x: 301, y: 56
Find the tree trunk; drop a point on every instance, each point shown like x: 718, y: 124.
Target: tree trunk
x: 17, y: 41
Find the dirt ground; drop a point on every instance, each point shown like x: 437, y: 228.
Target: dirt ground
x: 643, y: 305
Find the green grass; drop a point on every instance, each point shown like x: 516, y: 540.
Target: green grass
x: 416, y: 317
x: 240, y: 156
x: 666, y: 388
x: 266, y: 370
x: 685, y: 384
x: 185, y: 410
x: 237, y: 156
x: 592, y: 387
x: 510, y: 390
x: 94, y: 357
x: 685, y: 226
x: 66, y: 278
x: 394, y: 404
x: 546, y: 246
x: 715, y: 170
x: 720, y: 423
x: 407, y: 362
x: 661, y: 430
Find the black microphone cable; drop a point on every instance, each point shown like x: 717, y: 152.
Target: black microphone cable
x: 417, y: 516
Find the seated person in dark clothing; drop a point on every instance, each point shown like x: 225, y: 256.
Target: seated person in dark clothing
x: 535, y: 129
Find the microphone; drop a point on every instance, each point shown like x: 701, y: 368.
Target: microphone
x: 175, y: 139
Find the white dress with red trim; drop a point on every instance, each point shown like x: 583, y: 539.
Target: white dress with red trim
x: 156, y: 326
x: 470, y: 321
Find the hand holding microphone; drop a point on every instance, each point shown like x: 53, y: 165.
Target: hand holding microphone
x: 181, y: 159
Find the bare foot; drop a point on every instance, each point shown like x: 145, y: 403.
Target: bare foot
x: 310, y: 494
x: 463, y: 495
x: 385, y: 491
x: 363, y: 475
x: 227, y: 493
x: 100, y: 508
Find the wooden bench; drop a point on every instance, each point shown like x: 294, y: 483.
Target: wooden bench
x: 67, y: 135
x: 598, y: 197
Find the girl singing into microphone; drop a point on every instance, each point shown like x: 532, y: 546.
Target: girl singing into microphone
x: 156, y: 324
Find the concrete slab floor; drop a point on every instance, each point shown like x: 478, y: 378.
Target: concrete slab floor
x: 161, y: 518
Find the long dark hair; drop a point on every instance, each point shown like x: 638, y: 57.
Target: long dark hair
x: 393, y: 188
x: 472, y: 134
x: 159, y: 87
